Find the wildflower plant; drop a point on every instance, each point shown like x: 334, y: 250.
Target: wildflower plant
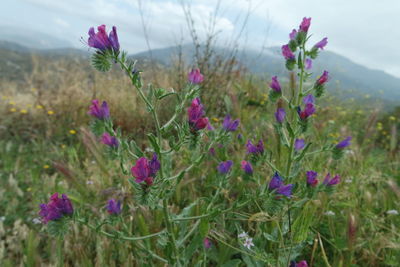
x: 188, y: 235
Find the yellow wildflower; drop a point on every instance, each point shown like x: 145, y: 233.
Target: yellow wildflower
x: 23, y: 111
x: 46, y: 166
x: 215, y: 119
x: 50, y: 112
x: 72, y: 131
x: 39, y: 106
x: 392, y: 118
x: 12, y: 103
x: 13, y: 109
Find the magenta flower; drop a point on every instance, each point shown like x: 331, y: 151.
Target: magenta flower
x: 308, y: 64
x: 321, y: 44
x: 246, y: 167
x: 146, y: 170
x: 299, y: 144
x: 307, y: 112
x: 312, y: 178
x: 56, y: 208
x: 101, y: 41
x: 225, y: 166
x: 100, y: 112
x: 255, y: 149
x: 305, y: 24
x: 230, y: 125
x: 293, y: 34
x: 114, y: 207
x: 287, y: 53
x: 197, y: 120
x: 207, y: 243
x: 109, y: 140
x: 275, y: 85
x: 195, y: 76
x: 323, y: 79
x: 344, y: 143
x: 280, y: 115
x: 299, y: 264
x: 328, y: 181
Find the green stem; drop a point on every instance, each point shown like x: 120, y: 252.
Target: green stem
x: 170, y: 229
x: 60, y: 254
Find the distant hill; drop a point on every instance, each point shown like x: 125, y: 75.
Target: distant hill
x: 343, y: 72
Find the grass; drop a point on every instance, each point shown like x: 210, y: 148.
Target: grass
x: 47, y: 148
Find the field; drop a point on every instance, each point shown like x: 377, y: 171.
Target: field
x: 47, y: 146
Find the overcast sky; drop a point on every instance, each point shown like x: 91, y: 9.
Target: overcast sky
x: 366, y: 31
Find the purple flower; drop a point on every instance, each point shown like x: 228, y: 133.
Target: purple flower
x: 280, y: 115
x: 305, y: 24
x: 287, y: 53
x: 344, y: 143
x: 145, y: 170
x: 207, y: 243
x: 56, y: 208
x: 212, y: 151
x: 114, y: 207
x: 101, y: 41
x: 255, y: 149
x: 246, y: 167
x: 308, y: 64
x: 293, y: 34
x: 299, y: 264
x: 100, y: 112
x: 195, y: 76
x: 307, y: 112
x: 229, y: 124
x: 275, y: 182
x: 321, y: 44
x: 109, y: 140
x: 225, y: 166
x: 275, y: 85
x: 323, y: 79
x: 197, y: 120
x: 285, y: 190
x: 299, y: 144
x: 312, y: 178
x: 309, y: 99
x: 328, y: 181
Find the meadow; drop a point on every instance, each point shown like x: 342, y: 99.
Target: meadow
x: 49, y: 144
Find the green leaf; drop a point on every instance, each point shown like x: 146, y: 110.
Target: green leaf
x: 232, y: 263
x: 154, y: 143
x: 204, y: 227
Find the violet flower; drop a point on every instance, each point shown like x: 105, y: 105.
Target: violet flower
x: 230, y: 125
x: 280, y: 115
x: 308, y: 64
x: 100, y: 112
x: 287, y: 53
x: 197, y: 120
x: 312, y: 178
x: 293, y: 34
x: 255, y: 149
x: 225, y: 166
x: 328, y: 181
x: 246, y: 167
x: 305, y: 24
x: 275, y: 85
x: 145, y: 170
x: 321, y: 44
x: 276, y: 183
x: 344, y: 143
x: 114, y: 207
x: 309, y: 99
x: 299, y: 144
x: 323, y: 78
x: 309, y: 109
x: 56, y: 208
x: 195, y: 76
x: 285, y: 190
x: 101, y: 41
x: 109, y: 140
x: 299, y: 264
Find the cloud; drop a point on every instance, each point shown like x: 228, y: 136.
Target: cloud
x: 61, y: 22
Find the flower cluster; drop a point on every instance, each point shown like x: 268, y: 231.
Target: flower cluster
x: 56, y: 208
x: 101, y: 41
x: 276, y: 184
x: 255, y: 149
x: 197, y: 118
x: 146, y: 170
x: 100, y: 112
x: 328, y: 181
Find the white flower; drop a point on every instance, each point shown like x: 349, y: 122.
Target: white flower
x: 243, y: 235
x: 2, y: 218
x: 36, y: 220
x: 392, y: 212
x: 248, y: 243
x: 89, y: 182
x: 329, y: 213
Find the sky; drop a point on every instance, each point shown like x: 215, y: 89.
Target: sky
x: 365, y: 31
